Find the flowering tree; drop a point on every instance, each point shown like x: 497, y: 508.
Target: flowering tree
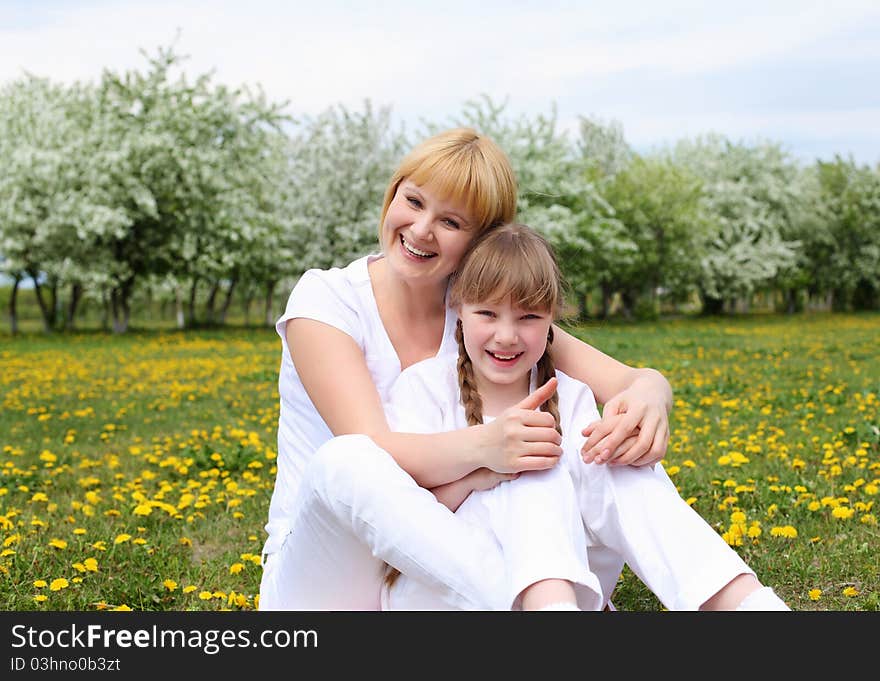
x: 747, y: 200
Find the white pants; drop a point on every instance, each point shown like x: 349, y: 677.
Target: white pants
x: 536, y: 522
x: 357, y: 509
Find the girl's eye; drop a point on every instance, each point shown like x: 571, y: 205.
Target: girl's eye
x: 531, y: 315
x: 452, y: 223
x: 485, y: 313
x: 414, y: 202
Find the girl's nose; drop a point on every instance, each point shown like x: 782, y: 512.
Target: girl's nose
x: 506, y: 333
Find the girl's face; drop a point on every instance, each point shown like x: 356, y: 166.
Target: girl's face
x: 503, y: 341
x: 424, y: 237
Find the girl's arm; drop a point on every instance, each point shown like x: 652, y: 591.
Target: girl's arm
x: 454, y: 493
x: 334, y: 372
x: 635, y: 417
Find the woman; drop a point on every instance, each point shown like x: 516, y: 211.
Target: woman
x: 350, y: 494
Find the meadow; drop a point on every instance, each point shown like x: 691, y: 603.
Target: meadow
x: 136, y: 470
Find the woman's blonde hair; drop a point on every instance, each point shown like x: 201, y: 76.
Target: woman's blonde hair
x: 515, y: 263
x: 461, y: 163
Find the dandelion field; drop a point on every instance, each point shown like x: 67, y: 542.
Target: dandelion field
x: 136, y: 471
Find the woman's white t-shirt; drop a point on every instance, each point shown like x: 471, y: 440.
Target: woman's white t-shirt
x: 342, y: 298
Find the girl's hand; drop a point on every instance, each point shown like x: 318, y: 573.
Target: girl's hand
x: 486, y: 478
x: 522, y: 439
x: 632, y: 431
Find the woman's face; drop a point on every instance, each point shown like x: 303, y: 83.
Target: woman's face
x: 424, y: 237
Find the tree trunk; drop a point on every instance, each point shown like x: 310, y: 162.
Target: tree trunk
x: 44, y: 309
x: 270, y: 294
x: 192, y: 301
x: 105, y: 312
x: 209, y: 304
x: 120, y: 298
x: 13, y: 310
x: 227, y: 301
x: 76, y: 291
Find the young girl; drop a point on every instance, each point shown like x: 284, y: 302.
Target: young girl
x: 507, y: 293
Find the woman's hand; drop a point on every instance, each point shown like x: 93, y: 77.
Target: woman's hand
x: 522, y: 439
x: 632, y: 431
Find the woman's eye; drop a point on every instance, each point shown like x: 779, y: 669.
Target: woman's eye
x: 414, y: 202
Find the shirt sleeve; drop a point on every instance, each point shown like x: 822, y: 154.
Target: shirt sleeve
x: 325, y: 296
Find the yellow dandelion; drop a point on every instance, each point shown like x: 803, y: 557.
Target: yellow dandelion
x: 188, y: 589
x: 143, y: 509
x: 40, y: 598
x: 815, y: 594
x: 40, y: 583
x: 91, y: 564
x: 120, y: 538
x: 122, y: 608
x: 785, y: 531
x: 58, y: 584
x: 235, y: 568
x: 206, y: 595
x: 850, y: 591
x: 170, y: 584
x: 843, y: 512
x: 58, y: 543
x: 185, y: 541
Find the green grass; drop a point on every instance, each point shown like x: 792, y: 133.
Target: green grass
x: 775, y: 426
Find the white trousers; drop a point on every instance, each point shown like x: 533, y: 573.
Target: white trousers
x: 357, y: 509
x: 536, y: 522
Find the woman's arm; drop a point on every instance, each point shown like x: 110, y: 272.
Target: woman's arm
x: 334, y: 372
x: 636, y: 403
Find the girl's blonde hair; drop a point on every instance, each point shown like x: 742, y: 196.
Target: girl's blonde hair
x: 461, y: 163
x: 515, y: 263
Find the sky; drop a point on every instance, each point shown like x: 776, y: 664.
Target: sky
x: 804, y: 74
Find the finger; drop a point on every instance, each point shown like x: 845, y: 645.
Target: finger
x: 657, y: 450
x: 540, y: 449
x: 624, y: 457
x: 600, y: 429
x: 541, y: 435
x: 541, y: 419
x: 541, y: 395
x: 607, y: 456
x: 590, y: 427
x: 607, y: 436
x: 647, y: 432
x: 536, y: 463
x: 626, y: 426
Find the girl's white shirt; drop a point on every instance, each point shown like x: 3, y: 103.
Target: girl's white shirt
x: 342, y: 298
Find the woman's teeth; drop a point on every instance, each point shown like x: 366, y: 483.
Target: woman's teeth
x: 415, y: 251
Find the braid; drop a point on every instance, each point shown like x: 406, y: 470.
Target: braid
x: 470, y: 398
x: 545, y: 371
